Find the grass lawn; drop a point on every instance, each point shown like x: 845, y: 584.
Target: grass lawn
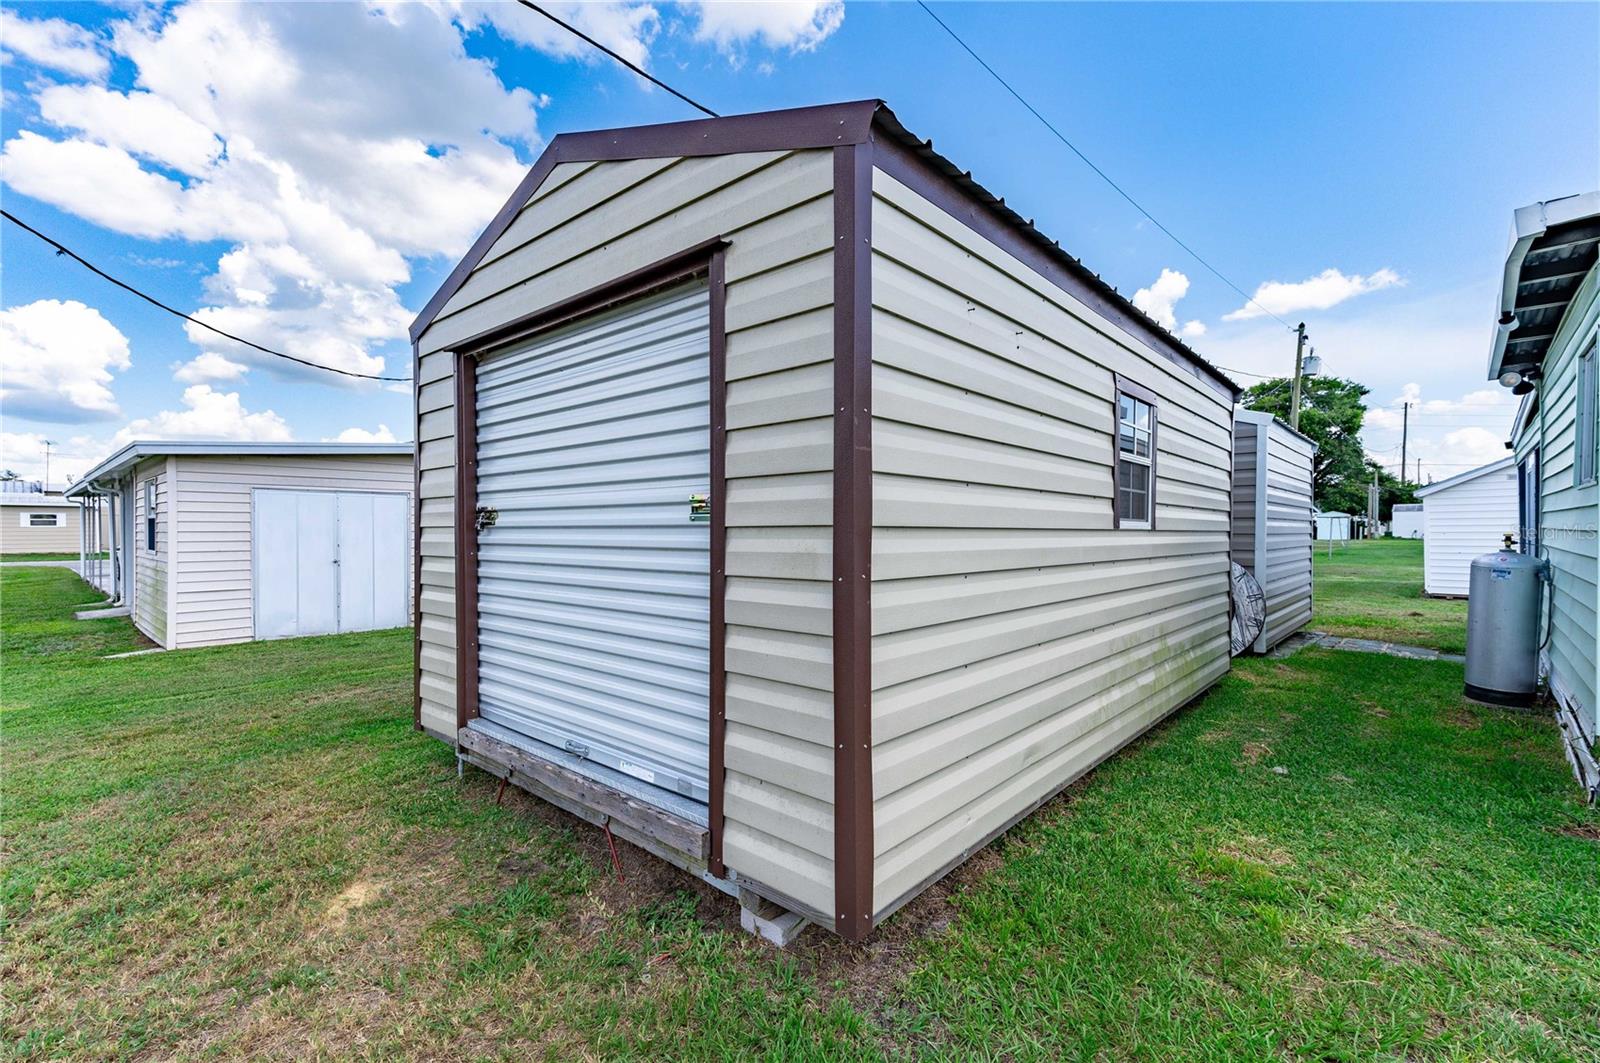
x: 1372, y: 589
x: 73, y: 556
x: 247, y: 850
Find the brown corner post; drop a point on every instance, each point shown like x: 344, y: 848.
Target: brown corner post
x: 716, y: 283
x: 466, y: 537
x: 852, y: 539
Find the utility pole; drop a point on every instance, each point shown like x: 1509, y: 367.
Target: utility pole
x: 48, y: 443
x: 1419, y: 471
x: 1405, y: 427
x: 1294, y: 394
x: 1372, y: 507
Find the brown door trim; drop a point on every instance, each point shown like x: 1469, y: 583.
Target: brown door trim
x: 852, y: 539
x: 704, y: 259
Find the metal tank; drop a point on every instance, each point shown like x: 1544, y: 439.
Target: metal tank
x: 1503, y: 598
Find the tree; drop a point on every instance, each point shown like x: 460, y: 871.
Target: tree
x: 1331, y: 412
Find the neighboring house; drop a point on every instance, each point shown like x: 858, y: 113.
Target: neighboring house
x: 215, y: 542
x: 1544, y: 348
x: 39, y: 522
x: 793, y: 506
x: 1407, y: 521
x: 1273, y: 519
x: 1332, y: 525
x: 1465, y: 517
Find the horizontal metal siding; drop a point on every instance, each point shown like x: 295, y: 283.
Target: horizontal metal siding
x: 1463, y: 522
x: 613, y: 217
x: 1568, y: 517
x: 1274, y: 496
x: 149, y: 611
x: 215, y: 563
x: 1018, y: 638
x: 593, y: 583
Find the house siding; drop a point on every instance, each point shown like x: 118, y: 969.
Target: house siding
x: 214, y: 556
x: 1567, y: 521
x: 150, y: 589
x: 1018, y: 638
x: 1464, y: 521
x: 15, y: 538
x: 589, y: 223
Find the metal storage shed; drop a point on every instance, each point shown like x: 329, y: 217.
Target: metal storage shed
x: 1273, y: 519
x: 216, y: 542
x: 793, y: 507
x: 1462, y: 518
x: 1406, y: 523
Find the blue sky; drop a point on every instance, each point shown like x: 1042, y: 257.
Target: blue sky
x: 307, y: 174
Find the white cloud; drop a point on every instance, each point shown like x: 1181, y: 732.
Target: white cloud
x: 54, y: 43
x: 1160, y: 301
x: 340, y: 163
x: 208, y: 414
x: 1192, y: 329
x: 626, y: 28
x: 24, y: 454
x: 1327, y: 289
x: 208, y: 366
x: 56, y: 361
x: 361, y: 435
x: 798, y: 25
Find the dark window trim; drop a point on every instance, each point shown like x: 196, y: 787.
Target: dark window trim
x: 1121, y: 385
x: 150, y: 489
x: 704, y: 259
x: 1529, y: 504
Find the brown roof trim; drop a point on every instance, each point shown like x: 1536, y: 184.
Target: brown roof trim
x: 825, y: 126
x: 852, y: 540
x: 838, y: 125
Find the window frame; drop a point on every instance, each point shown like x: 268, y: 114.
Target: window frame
x: 1121, y: 386
x: 57, y: 520
x: 150, y: 515
x: 1528, y: 502
x: 1585, y: 439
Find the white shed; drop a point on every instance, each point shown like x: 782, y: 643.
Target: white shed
x: 215, y: 542
x: 1272, y: 519
x: 1335, y: 526
x: 1407, y: 521
x: 1462, y: 518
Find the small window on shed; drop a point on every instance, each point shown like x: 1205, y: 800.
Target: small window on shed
x: 1136, y: 458
x: 150, y: 515
x: 1583, y: 461
x: 43, y: 520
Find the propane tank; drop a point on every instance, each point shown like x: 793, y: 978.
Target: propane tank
x: 1503, y: 596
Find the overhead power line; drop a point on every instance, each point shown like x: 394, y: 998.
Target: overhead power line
x: 576, y: 32
x: 1090, y: 163
x: 62, y: 249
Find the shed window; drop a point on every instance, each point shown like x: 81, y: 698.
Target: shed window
x: 1136, y: 468
x: 1528, y: 501
x: 42, y: 520
x: 150, y: 515
x: 1583, y: 462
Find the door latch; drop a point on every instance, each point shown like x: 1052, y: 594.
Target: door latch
x: 699, y: 508
x: 486, y: 517
x: 577, y: 749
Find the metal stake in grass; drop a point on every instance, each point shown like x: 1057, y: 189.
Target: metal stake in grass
x: 616, y: 863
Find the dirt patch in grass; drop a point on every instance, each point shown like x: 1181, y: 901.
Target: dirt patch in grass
x: 1257, y: 850
x: 1253, y: 752
x: 1398, y: 942
x: 1589, y: 832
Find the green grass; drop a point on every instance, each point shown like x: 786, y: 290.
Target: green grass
x: 58, y: 556
x: 1372, y: 589
x: 248, y: 851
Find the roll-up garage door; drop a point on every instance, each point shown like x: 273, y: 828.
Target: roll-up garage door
x: 594, y: 577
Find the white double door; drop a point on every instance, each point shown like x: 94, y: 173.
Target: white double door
x: 330, y: 561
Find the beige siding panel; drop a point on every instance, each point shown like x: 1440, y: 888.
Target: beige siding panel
x: 1018, y: 637
x: 605, y: 220
x: 18, y: 537
x: 215, y: 596
x: 149, y: 613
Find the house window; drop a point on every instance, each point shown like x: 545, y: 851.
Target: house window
x: 150, y: 515
x: 1528, y: 502
x: 42, y: 520
x: 1136, y: 458
x: 1583, y: 461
